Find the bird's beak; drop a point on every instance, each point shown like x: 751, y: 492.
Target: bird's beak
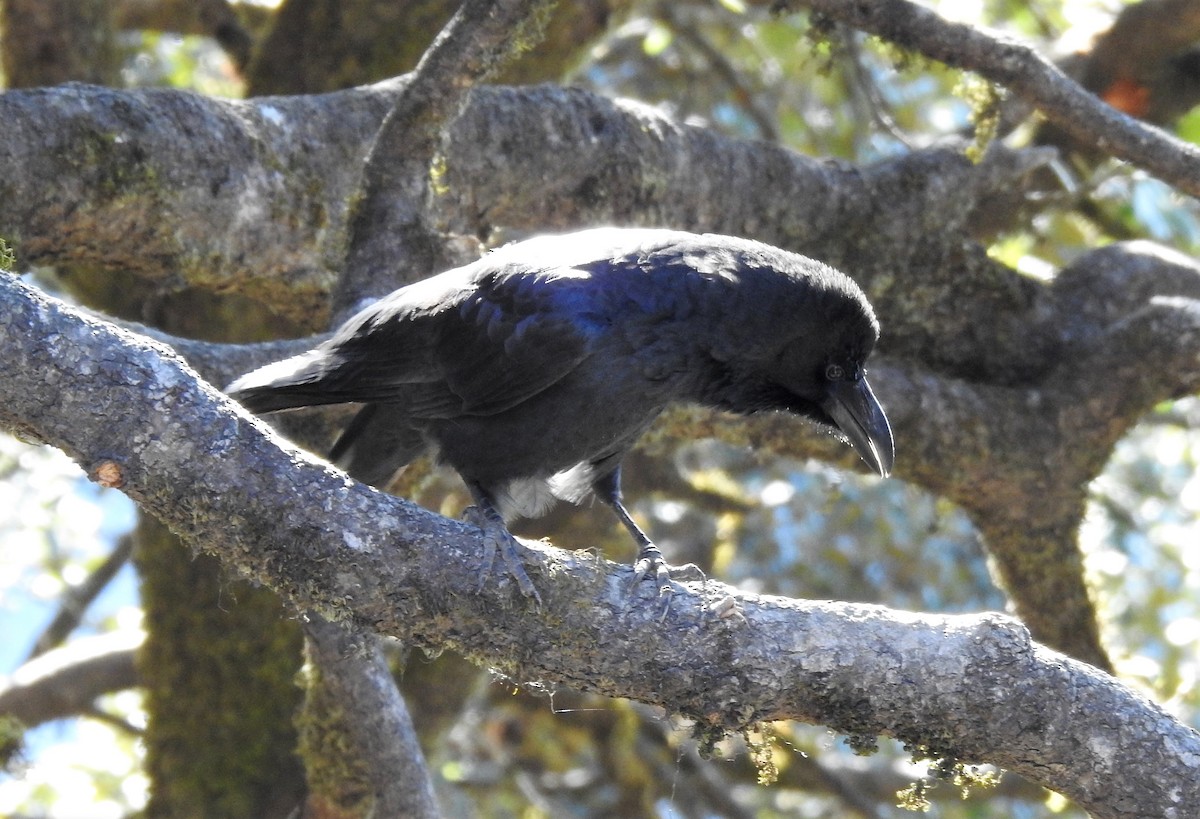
x: 852, y: 405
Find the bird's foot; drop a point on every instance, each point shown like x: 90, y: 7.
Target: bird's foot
x: 497, y: 538
x: 666, y: 576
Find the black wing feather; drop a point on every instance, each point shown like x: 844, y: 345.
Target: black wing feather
x: 475, y: 350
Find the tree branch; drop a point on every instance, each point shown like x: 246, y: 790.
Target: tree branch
x: 65, y: 682
x: 356, y: 687
x: 1028, y: 74
x: 391, y: 240
x: 145, y: 183
x: 972, y: 687
x: 75, y: 599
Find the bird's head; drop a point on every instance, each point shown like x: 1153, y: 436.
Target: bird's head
x: 817, y: 370
x: 827, y: 383
x: 782, y: 332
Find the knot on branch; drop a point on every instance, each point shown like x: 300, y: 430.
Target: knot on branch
x: 108, y: 473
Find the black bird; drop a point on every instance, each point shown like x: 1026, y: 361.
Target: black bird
x: 533, y: 370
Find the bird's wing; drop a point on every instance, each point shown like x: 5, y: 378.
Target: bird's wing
x: 509, y: 339
x: 481, y: 339
x: 476, y: 350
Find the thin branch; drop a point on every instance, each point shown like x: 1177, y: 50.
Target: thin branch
x: 864, y: 87
x: 720, y: 65
x: 1028, y: 74
x: 65, y: 682
x: 391, y: 239
x: 113, y: 720
x: 77, y: 598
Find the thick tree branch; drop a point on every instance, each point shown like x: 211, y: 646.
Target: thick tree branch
x: 252, y: 197
x: 892, y: 226
x: 1028, y: 74
x: 66, y: 685
x: 973, y: 687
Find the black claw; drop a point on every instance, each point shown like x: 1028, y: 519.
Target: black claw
x: 648, y: 558
x: 496, y: 538
x: 666, y: 576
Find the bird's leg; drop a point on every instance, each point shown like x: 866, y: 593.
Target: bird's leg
x: 496, y: 537
x: 649, y: 558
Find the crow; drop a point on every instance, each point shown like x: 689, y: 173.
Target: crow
x: 533, y: 370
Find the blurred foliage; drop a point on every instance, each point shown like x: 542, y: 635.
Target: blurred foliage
x: 1141, y: 535
x: 157, y: 59
x: 798, y: 529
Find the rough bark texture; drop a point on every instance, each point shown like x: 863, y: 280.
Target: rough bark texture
x: 969, y: 687
x: 266, y: 185
x: 350, y: 693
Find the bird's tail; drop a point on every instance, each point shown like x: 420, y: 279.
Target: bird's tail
x: 288, y: 384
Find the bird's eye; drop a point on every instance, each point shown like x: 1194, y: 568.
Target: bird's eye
x: 834, y: 372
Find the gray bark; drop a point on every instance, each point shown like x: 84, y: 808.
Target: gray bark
x: 355, y: 681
